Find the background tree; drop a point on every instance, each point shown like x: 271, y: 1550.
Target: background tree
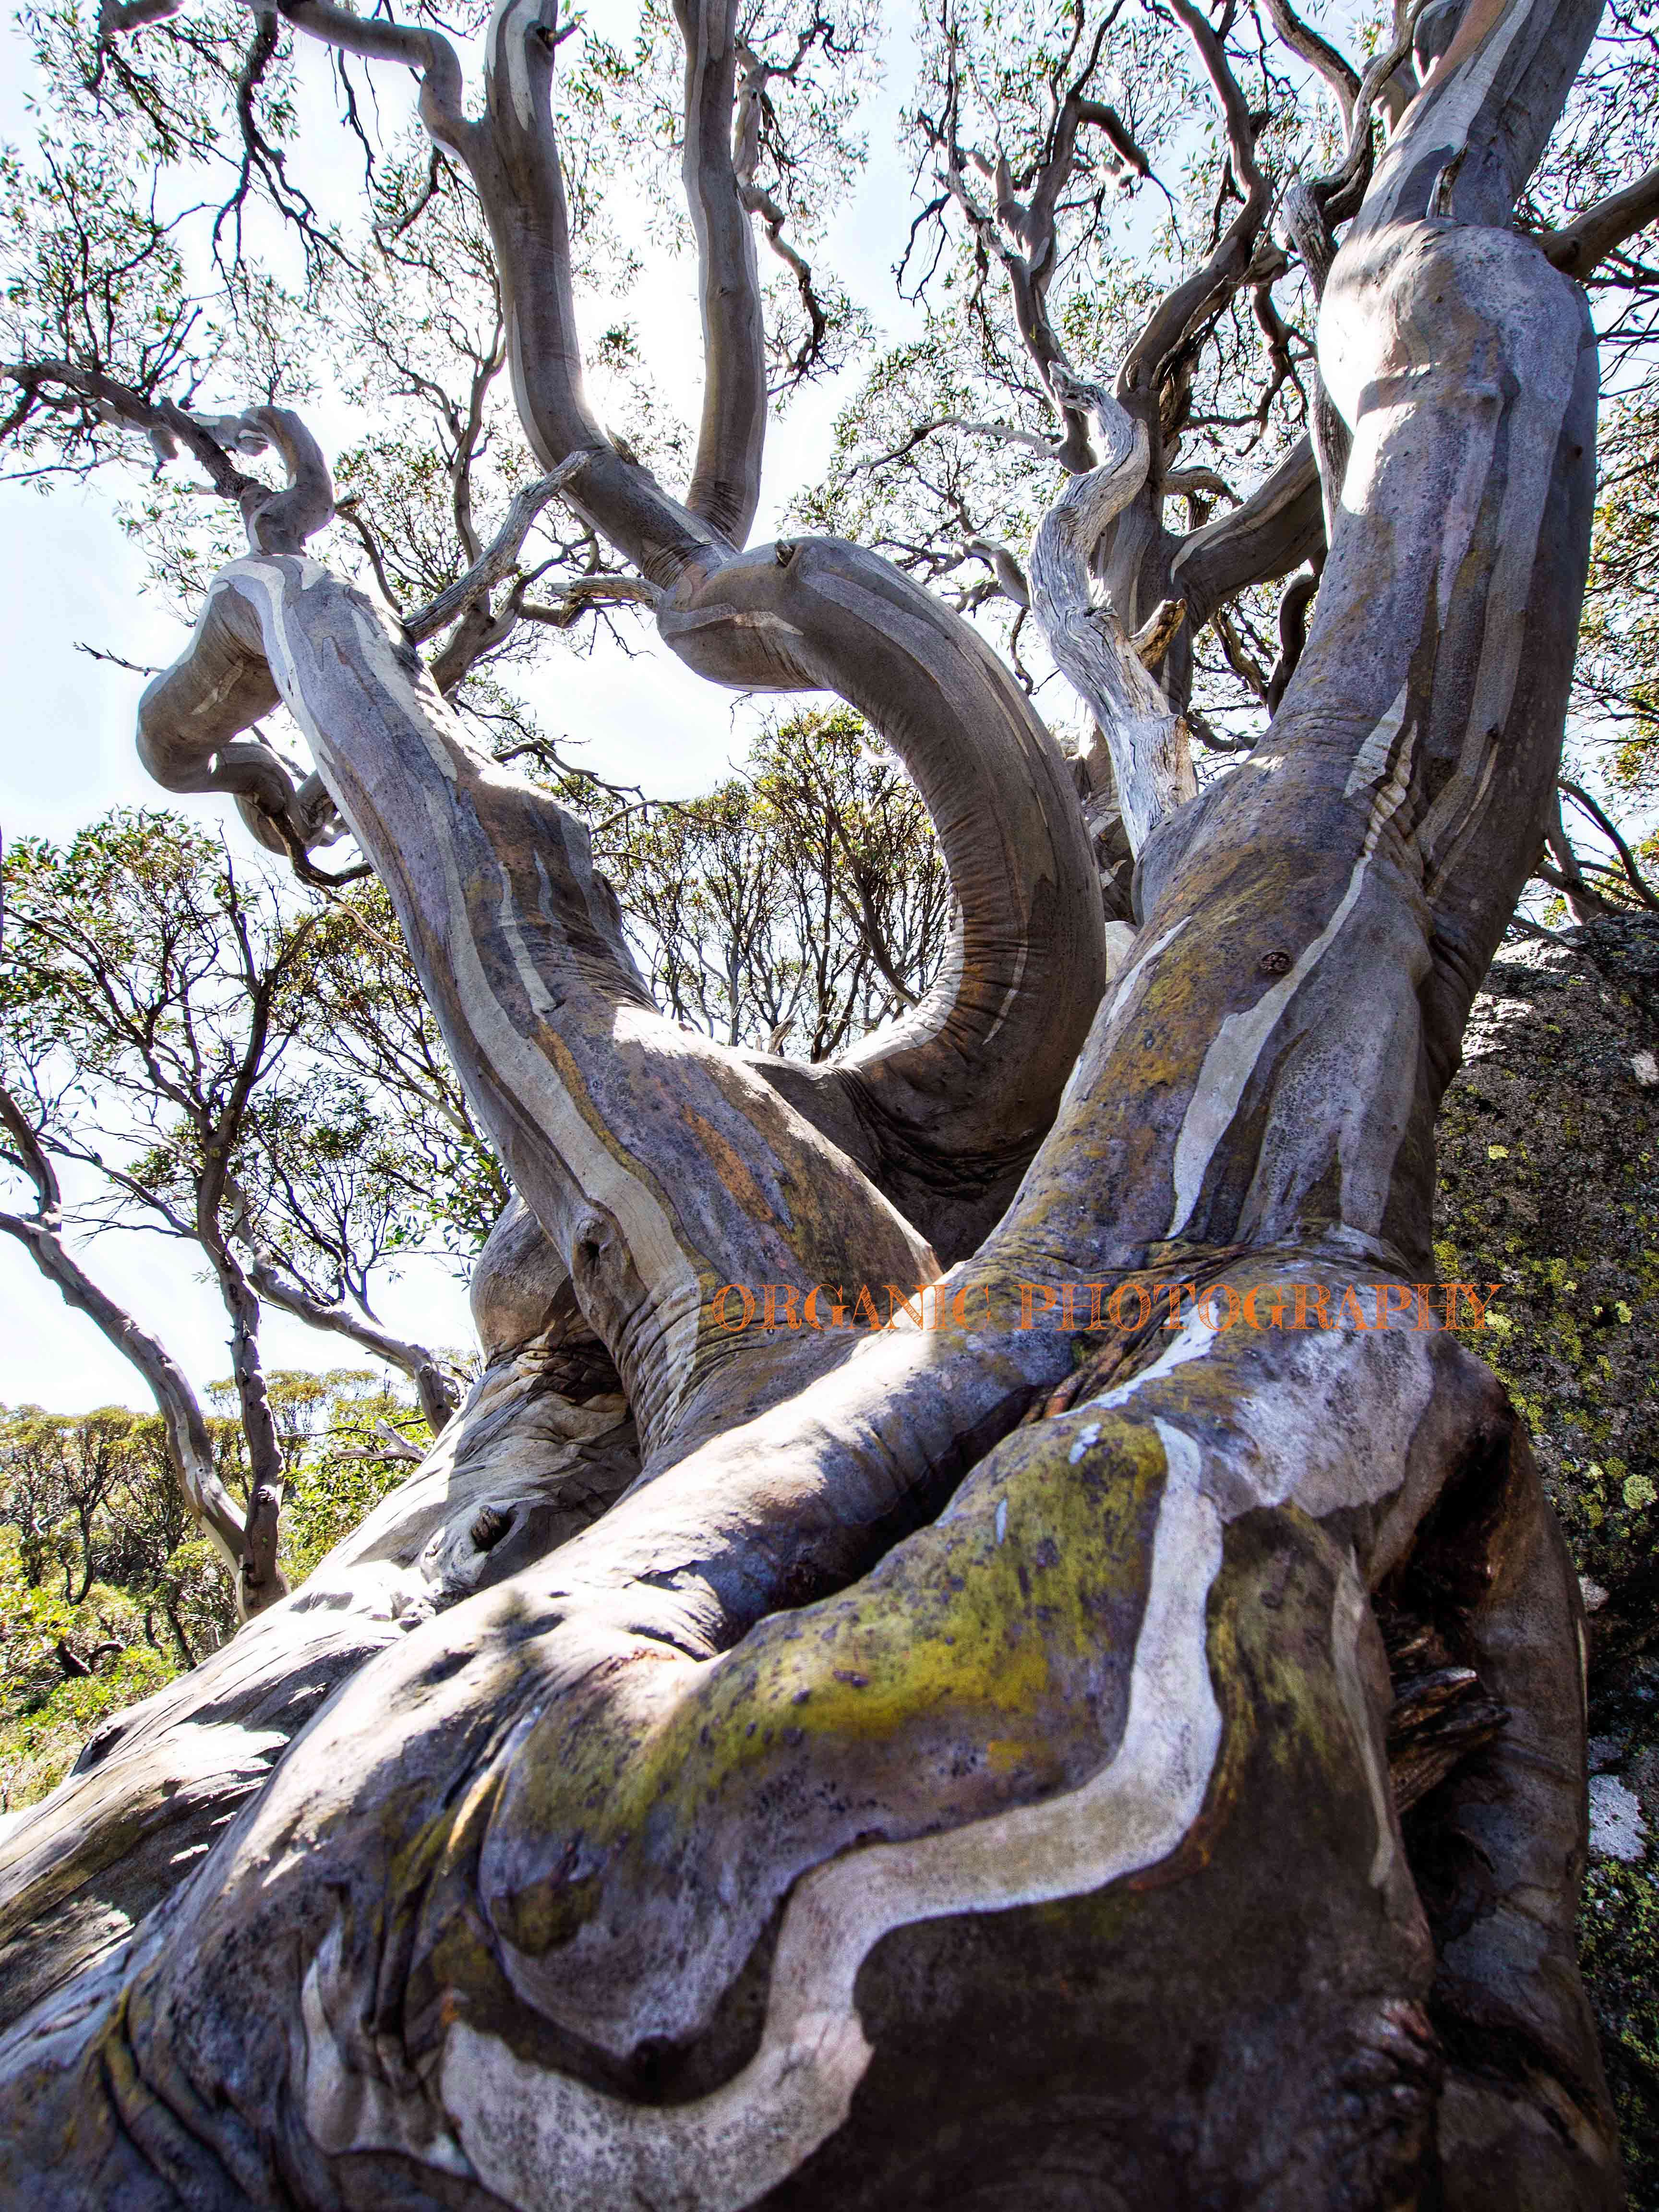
x: 797, y: 907
x: 108, y: 1588
x: 717, y: 1835
x: 142, y: 975
x: 162, y: 1027
x: 70, y: 1659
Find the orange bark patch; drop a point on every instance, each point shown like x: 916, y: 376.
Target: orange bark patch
x: 729, y: 1168
x: 1480, y: 18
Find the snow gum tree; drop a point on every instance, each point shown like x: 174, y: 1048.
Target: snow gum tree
x: 979, y: 1761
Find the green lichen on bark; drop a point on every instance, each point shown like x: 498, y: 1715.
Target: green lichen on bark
x: 1549, y: 1185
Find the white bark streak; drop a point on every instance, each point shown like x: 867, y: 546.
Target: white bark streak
x: 1090, y: 645
x: 542, y: 2145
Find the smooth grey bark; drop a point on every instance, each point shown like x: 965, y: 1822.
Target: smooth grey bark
x: 543, y: 1445
x: 1151, y: 758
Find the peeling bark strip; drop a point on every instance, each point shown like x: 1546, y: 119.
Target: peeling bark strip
x: 896, y: 1801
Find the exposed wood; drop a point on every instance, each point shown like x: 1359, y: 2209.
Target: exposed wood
x: 1437, y: 1720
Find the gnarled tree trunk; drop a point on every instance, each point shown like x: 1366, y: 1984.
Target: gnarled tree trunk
x: 946, y: 1775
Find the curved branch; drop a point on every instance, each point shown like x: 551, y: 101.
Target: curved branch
x: 1010, y: 579
x: 513, y: 158
x: 511, y: 155
x: 1308, y: 230
x: 280, y: 1286
x: 1582, y: 898
x: 1000, y: 433
x: 1294, y: 604
x: 282, y: 521
x: 1602, y: 229
x: 285, y: 816
x: 377, y: 38
x: 1609, y: 829
x: 1151, y: 762
x: 660, y: 1173
x: 724, y: 488
x: 1184, y: 306
x: 498, y: 558
x: 810, y: 351
x: 971, y: 1078
x: 1340, y: 75
x: 951, y: 1100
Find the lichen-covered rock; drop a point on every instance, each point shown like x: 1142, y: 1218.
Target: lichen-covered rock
x: 1549, y: 1185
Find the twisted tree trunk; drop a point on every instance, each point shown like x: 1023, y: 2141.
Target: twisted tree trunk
x: 893, y: 1799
